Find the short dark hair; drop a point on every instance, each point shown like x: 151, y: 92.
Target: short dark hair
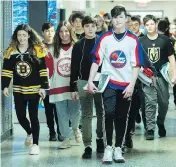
x: 167, y: 19
x: 46, y: 26
x: 89, y: 20
x: 136, y: 18
x: 76, y: 15
x: 149, y: 17
x: 107, y: 15
x: 163, y: 26
x: 117, y: 10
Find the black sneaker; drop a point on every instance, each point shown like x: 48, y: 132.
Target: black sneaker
x: 100, y: 146
x: 138, y: 118
x: 161, y: 130
x: 129, y: 142
x: 60, y: 138
x: 80, y: 127
x: 87, y: 153
x: 150, y: 135
x: 52, y: 138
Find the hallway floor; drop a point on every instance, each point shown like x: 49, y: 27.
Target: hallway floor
x: 160, y: 152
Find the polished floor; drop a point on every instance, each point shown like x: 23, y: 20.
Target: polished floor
x: 160, y: 152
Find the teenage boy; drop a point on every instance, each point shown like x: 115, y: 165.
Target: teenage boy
x: 173, y: 39
x: 80, y: 68
x: 50, y: 110
x: 138, y: 98
x: 120, y: 53
x: 107, y: 19
x: 160, y: 51
x: 135, y: 26
x: 77, y: 25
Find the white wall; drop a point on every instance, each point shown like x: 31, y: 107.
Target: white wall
x: 169, y: 7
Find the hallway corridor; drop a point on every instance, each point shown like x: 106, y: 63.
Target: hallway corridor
x: 157, y: 153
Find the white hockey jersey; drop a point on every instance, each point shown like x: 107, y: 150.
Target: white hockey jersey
x: 118, y: 57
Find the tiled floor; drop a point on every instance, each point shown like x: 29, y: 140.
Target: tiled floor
x: 157, y: 153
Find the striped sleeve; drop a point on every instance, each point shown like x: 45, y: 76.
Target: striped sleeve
x: 7, y: 72
x: 43, y: 74
x: 137, y: 57
x: 98, y: 49
x: 41, y: 53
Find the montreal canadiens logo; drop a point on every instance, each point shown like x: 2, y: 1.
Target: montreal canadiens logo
x: 118, y: 59
x: 63, y: 67
x: 23, y: 69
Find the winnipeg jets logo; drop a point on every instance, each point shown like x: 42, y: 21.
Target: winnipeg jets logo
x: 118, y: 59
x: 63, y: 67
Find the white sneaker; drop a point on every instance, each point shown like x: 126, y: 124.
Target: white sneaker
x: 65, y: 144
x: 34, y: 150
x: 107, y: 158
x: 28, y: 140
x: 117, y: 155
x: 78, y: 136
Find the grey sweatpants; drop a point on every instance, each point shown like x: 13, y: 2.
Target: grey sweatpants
x: 86, y: 101
x: 153, y: 97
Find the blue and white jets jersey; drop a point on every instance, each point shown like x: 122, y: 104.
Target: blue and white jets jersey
x: 118, y: 57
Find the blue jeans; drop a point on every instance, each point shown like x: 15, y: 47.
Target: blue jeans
x: 68, y: 110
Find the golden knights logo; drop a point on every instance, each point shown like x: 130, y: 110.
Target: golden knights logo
x: 23, y: 69
x: 154, y: 54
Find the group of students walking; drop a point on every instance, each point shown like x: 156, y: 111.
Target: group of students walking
x: 58, y: 67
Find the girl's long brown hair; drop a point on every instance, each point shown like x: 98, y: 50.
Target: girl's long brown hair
x: 34, y: 39
x: 57, y: 39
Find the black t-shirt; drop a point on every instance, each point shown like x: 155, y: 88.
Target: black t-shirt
x: 158, y: 50
x: 119, y: 36
x: 80, y: 36
x: 140, y: 35
x: 81, y: 61
x: 99, y: 32
x: 173, y: 40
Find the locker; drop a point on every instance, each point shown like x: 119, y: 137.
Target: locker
x: 5, y: 103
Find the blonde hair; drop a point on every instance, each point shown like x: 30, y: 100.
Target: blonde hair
x: 104, y: 26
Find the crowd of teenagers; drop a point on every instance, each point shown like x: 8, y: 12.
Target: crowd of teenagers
x: 56, y: 67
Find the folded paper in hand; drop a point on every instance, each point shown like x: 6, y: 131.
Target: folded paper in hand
x: 100, y: 81
x: 167, y: 73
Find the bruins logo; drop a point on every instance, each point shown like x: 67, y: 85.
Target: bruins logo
x: 23, y: 69
x: 154, y: 54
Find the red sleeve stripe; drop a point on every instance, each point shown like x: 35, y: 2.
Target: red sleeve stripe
x: 136, y: 49
x: 97, y: 47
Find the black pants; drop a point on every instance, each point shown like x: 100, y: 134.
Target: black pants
x: 174, y: 91
x: 20, y: 106
x: 138, y: 101
x: 50, y: 111
x: 116, y: 111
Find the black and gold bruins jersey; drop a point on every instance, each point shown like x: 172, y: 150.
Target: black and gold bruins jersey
x: 28, y: 76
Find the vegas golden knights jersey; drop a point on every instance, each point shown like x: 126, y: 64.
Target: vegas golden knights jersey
x: 29, y: 75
